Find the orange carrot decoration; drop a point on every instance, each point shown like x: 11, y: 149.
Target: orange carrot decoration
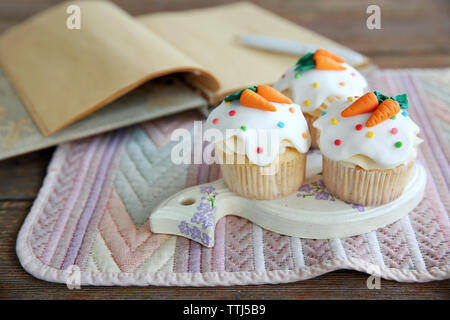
x: 388, y: 108
x: 367, y: 103
x: 326, y: 63
x: 251, y: 99
x: 272, y: 94
x: 329, y: 54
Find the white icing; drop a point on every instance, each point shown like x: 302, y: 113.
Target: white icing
x: 381, y: 148
x: 260, y: 124
x: 368, y: 164
x: 329, y: 85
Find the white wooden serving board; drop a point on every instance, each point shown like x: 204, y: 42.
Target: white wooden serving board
x: 310, y: 212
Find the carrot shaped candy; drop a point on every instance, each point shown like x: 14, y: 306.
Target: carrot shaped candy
x: 329, y: 54
x: 387, y: 109
x: 367, y: 103
x: 251, y: 99
x: 326, y: 63
x: 272, y: 94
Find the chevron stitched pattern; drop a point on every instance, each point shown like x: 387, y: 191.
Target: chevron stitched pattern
x: 129, y: 246
x: 115, y: 150
x: 356, y: 247
x: 277, y: 251
x: 57, y: 199
x: 68, y: 220
x: 430, y: 236
x: 238, y: 246
x: 394, y: 247
x: 146, y: 176
x: 316, y: 251
x: 94, y: 206
x: 100, y: 259
x: 206, y: 263
x: 162, y: 259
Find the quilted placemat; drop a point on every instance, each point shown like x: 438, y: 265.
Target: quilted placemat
x: 93, y: 207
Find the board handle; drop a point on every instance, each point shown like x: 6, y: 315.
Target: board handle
x: 192, y: 213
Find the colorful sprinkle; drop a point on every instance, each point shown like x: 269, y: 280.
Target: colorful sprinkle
x: 337, y: 142
x: 316, y: 85
x: 393, y: 117
x: 306, y: 102
x: 283, y: 76
x: 232, y: 113
x: 350, y: 99
x: 243, y: 128
x: 370, y: 134
x: 304, y: 135
x: 353, y: 74
x: 281, y: 124
x: 323, y: 113
x: 394, y: 130
x: 405, y: 113
x: 215, y: 121
x: 297, y: 75
x: 342, y: 83
x: 259, y: 150
x: 334, y: 121
x: 359, y: 127
x: 398, y: 144
x: 292, y: 109
x: 227, y: 103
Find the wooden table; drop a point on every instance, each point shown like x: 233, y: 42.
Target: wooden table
x: 414, y: 34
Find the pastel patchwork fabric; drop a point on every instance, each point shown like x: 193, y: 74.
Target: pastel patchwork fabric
x: 90, y: 218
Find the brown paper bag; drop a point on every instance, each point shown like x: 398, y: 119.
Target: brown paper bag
x: 62, y: 75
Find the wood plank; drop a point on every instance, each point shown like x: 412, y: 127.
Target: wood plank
x: 21, y: 177
x: 408, y: 27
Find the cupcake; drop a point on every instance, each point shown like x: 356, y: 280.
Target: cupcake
x: 316, y: 80
x: 369, y: 148
x: 261, y: 139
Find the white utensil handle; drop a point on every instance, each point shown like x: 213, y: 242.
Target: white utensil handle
x: 296, y: 48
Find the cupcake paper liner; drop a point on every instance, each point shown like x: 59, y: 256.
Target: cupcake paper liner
x: 365, y: 187
x: 266, y: 183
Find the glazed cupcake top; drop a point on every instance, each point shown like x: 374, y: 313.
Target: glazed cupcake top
x: 263, y: 119
x: 317, y: 76
x: 375, y: 126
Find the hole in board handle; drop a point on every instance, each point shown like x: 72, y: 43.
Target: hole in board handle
x: 187, y: 201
